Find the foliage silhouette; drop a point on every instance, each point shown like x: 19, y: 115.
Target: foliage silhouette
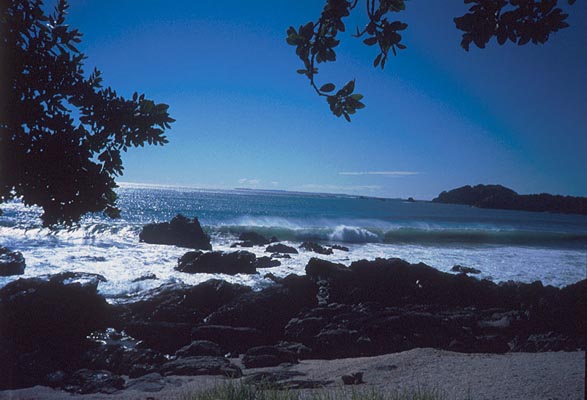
x: 62, y: 133
x: 519, y: 21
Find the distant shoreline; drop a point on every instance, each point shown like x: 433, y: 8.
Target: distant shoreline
x: 500, y: 197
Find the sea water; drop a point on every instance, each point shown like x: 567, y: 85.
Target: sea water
x: 504, y: 245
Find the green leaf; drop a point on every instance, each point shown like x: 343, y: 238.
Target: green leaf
x: 347, y: 89
x: 370, y: 41
x: 329, y: 87
x: 377, y: 60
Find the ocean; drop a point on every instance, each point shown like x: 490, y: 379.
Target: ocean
x: 504, y: 245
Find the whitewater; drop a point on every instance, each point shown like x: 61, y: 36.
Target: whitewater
x: 504, y: 245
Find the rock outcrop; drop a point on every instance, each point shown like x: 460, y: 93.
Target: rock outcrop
x: 11, y: 262
x: 497, y: 196
x: 181, y: 231
x: 217, y: 262
x: 281, y: 248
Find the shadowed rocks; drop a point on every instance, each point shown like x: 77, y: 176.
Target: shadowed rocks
x: 217, y: 262
x: 281, y: 248
x: 181, y: 231
x: 11, y: 262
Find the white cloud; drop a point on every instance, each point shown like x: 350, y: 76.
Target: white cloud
x: 250, y: 182
x: 274, y: 183
x: 340, y: 188
x: 385, y: 173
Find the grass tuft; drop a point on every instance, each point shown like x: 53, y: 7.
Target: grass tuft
x: 240, y: 391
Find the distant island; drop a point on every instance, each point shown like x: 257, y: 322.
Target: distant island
x: 500, y: 197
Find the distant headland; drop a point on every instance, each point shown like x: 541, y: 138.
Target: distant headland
x: 500, y: 197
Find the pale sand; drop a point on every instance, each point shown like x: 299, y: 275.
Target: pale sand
x: 548, y: 376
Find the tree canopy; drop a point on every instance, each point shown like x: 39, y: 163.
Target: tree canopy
x: 517, y: 21
x: 61, y: 132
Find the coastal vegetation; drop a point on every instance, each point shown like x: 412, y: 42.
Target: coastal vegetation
x: 239, y: 391
x: 62, y: 134
x: 518, y: 22
x: 500, y: 197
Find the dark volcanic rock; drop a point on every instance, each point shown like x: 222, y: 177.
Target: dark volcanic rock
x: 203, y: 365
x: 44, y: 327
x: 49, y: 314
x: 238, y: 262
x: 316, y: 248
x: 267, y: 262
x: 270, y: 309
x: 166, y: 337
x: 85, y: 381
x: 181, y: 231
x: 318, y: 269
x: 183, y: 303
x: 465, y: 270
x: 122, y: 360
x: 11, y: 262
x: 280, y: 255
x: 268, y: 356
x: 394, y: 282
x: 281, y: 248
x: 254, y: 238
x: 201, y: 348
x: 339, y: 247
x: 233, y: 338
x: 145, y: 278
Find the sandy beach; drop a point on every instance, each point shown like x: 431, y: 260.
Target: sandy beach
x: 555, y: 375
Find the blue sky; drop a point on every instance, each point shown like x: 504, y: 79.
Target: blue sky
x: 436, y: 117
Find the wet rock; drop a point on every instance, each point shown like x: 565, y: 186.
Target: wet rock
x: 280, y: 255
x: 144, y: 278
x: 355, y: 378
x: 254, y: 238
x: 122, y: 360
x: 11, y: 262
x: 182, y: 303
x: 268, y: 356
x: 202, y: 365
x: 201, y: 348
x: 549, y: 341
x: 242, y: 244
x: 281, y: 248
x: 300, y: 350
x: 316, y: 248
x: 341, y: 330
x: 166, y: 337
x: 318, y: 269
x: 270, y: 309
x: 233, y: 338
x: 465, y: 270
x: 394, y: 282
x: 181, y: 231
x: 339, y: 247
x: 85, y: 381
x: 86, y: 279
x: 239, y: 262
x: 267, y: 262
x: 50, y: 315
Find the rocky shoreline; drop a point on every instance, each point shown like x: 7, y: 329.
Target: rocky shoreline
x: 59, y: 332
